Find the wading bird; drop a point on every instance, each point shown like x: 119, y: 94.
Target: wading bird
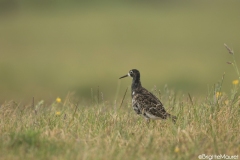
x: 144, y: 102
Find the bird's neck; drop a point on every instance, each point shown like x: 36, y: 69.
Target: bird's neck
x: 136, y: 83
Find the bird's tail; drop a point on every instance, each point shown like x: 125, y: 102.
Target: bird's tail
x: 173, y: 118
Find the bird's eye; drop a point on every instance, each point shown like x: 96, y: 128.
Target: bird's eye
x: 131, y: 72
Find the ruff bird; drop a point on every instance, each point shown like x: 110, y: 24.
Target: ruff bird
x: 144, y: 102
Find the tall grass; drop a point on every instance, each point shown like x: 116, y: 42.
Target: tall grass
x: 100, y: 132
x: 68, y: 129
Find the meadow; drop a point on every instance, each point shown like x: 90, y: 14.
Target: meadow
x: 60, y: 96
x: 67, y: 129
x: 99, y: 129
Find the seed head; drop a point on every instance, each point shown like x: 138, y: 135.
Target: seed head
x: 230, y: 51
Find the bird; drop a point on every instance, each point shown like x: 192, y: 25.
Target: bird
x: 144, y: 102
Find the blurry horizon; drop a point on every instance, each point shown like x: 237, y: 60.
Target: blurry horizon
x: 50, y: 48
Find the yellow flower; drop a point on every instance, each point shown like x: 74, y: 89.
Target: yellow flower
x: 218, y: 94
x: 235, y: 82
x: 176, y: 150
x: 58, y: 113
x: 58, y: 100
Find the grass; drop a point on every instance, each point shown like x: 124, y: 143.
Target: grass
x: 100, y: 129
x: 67, y: 130
x: 103, y: 128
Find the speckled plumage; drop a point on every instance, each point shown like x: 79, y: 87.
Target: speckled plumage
x: 144, y: 102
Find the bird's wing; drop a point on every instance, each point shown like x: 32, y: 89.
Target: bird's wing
x: 148, y: 102
x: 148, y: 96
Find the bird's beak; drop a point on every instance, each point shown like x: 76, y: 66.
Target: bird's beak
x: 124, y: 76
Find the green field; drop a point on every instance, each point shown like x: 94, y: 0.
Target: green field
x: 76, y: 51
x: 104, y: 130
x: 47, y: 52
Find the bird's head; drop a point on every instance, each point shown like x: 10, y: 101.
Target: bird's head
x: 134, y: 73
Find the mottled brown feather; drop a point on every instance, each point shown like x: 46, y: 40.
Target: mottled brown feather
x: 144, y: 102
x: 148, y: 103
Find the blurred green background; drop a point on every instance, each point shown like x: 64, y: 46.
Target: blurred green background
x: 50, y: 48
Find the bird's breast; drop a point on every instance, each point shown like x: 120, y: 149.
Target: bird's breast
x: 133, y: 93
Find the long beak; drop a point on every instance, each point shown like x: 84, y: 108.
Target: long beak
x: 124, y: 76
